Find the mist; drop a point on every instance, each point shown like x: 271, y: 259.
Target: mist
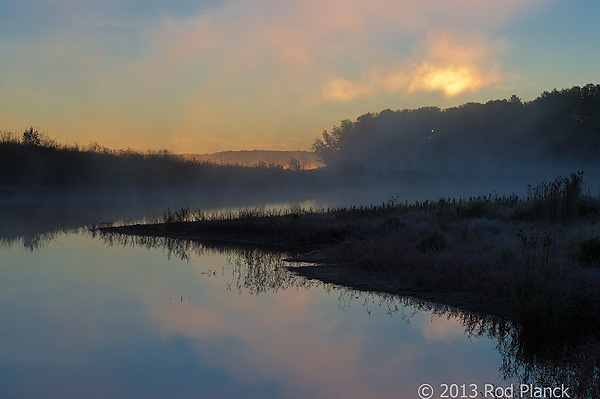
x: 557, y: 132
x: 499, y: 148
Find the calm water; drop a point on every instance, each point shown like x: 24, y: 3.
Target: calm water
x: 82, y: 317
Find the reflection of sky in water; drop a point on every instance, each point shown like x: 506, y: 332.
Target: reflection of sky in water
x: 80, y: 319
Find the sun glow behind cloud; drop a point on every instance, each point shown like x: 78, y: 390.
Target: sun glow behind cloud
x: 450, y: 63
x: 456, y: 63
x: 238, y: 74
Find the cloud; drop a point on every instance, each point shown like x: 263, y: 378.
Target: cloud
x: 278, y: 55
x: 312, y: 36
x: 183, y: 68
x: 449, y: 62
x: 441, y: 328
x: 324, y: 362
x: 310, y: 47
x: 345, y: 90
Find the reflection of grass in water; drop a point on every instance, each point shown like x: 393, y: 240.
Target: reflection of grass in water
x: 254, y: 271
x: 507, y: 256
x: 31, y: 242
x: 577, y: 367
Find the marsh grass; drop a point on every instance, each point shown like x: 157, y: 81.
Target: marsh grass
x: 433, y: 241
x: 563, y: 200
x: 523, y: 259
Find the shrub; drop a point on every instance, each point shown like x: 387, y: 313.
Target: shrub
x: 434, y: 241
x: 31, y: 137
x: 184, y: 214
x: 474, y: 208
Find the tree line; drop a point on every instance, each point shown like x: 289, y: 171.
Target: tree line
x: 560, y: 128
x: 33, y: 160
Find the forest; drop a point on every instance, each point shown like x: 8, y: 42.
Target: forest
x: 558, y: 130
x: 555, y: 134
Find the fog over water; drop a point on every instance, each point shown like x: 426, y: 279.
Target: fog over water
x: 47, y: 211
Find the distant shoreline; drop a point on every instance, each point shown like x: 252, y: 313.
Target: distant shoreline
x: 299, y: 159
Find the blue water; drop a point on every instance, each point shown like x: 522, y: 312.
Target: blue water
x: 84, y: 319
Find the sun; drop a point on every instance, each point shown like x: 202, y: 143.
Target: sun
x: 452, y: 80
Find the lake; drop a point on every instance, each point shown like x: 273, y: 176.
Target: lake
x: 84, y: 318
x: 86, y: 315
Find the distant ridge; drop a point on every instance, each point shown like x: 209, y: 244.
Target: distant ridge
x: 306, y: 159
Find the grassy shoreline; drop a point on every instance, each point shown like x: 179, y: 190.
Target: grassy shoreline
x: 535, y: 261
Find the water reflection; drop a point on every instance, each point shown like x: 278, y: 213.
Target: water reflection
x: 32, y: 241
x: 575, y: 366
x: 126, y: 317
x: 32, y: 220
x: 255, y: 271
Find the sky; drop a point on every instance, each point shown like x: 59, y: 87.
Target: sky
x: 214, y: 75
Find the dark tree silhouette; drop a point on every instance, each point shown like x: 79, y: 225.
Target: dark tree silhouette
x: 558, y: 128
x: 332, y: 142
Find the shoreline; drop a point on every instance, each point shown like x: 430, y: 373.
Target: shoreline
x: 318, y: 266
x: 535, y: 262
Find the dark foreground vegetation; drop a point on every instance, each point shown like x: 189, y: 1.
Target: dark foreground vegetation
x: 534, y: 260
